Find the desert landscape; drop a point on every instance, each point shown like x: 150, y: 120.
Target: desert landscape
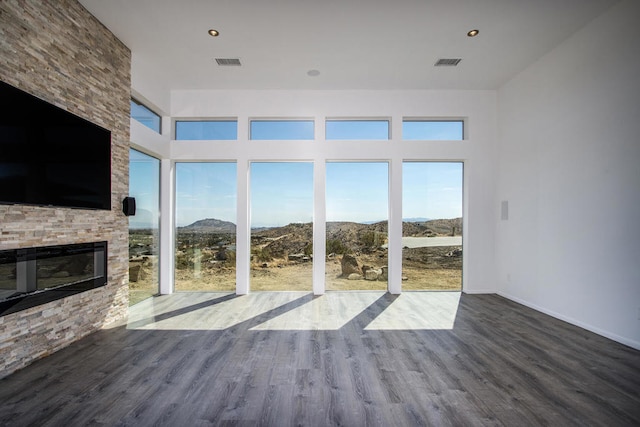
x: 282, y: 257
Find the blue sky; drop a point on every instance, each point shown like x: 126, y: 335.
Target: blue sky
x: 432, y: 190
x: 357, y: 192
x: 412, y: 130
x: 282, y: 192
x: 144, y: 185
x: 432, y: 130
x: 205, y: 190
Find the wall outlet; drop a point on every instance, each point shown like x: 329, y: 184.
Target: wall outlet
x: 504, y: 210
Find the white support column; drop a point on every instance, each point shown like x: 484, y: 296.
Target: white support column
x: 243, y: 229
x: 395, y: 226
x: 167, y: 213
x: 319, y: 226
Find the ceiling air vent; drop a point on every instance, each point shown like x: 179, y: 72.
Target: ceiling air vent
x: 228, y: 61
x: 447, y: 62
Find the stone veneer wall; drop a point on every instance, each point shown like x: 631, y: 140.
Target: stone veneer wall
x: 59, y: 52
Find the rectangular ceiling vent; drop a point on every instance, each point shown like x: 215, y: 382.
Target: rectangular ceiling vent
x: 228, y: 62
x: 448, y: 62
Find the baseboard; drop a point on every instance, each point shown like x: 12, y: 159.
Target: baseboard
x: 479, y: 291
x: 595, y: 330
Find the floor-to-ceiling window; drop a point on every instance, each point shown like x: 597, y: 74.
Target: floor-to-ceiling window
x: 281, y: 226
x: 432, y: 225
x: 357, y: 211
x: 205, y: 216
x: 144, y: 186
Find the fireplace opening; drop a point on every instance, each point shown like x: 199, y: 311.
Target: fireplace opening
x: 34, y: 276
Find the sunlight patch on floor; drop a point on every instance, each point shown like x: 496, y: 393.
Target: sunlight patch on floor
x: 419, y: 310
x: 202, y: 311
x: 274, y: 311
x: 330, y: 311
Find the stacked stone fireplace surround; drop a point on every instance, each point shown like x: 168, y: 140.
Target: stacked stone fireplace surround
x: 59, y: 52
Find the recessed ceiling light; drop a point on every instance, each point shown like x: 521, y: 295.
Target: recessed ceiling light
x: 213, y: 33
x: 313, y: 73
x: 473, y: 33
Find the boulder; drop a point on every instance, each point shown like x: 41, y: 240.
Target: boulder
x: 297, y: 257
x: 221, y: 255
x: 43, y: 273
x: 371, y: 275
x: 60, y: 274
x: 384, y: 274
x: 454, y: 253
x: 349, y: 264
x: 355, y: 276
x: 135, y: 273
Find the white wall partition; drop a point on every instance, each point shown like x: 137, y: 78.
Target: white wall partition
x: 568, y: 158
x: 477, y: 108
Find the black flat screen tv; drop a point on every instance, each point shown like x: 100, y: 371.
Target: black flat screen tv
x: 50, y: 157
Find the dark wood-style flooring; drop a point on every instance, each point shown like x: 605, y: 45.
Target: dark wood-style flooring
x: 351, y: 359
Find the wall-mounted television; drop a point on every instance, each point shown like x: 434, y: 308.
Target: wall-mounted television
x: 50, y: 157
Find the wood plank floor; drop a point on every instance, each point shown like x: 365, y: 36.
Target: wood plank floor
x: 352, y: 359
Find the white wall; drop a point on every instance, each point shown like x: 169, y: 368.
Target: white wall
x: 478, y: 107
x: 147, y: 87
x: 569, y: 166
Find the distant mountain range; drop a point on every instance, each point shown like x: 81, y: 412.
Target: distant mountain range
x: 418, y: 219
x: 210, y: 225
x: 412, y: 226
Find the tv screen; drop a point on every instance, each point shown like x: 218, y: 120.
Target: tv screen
x: 50, y: 157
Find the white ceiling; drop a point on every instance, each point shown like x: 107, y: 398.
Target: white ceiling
x: 355, y: 44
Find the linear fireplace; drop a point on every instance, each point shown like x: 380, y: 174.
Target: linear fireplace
x: 34, y: 276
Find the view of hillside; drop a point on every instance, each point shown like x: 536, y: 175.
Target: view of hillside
x: 282, y: 256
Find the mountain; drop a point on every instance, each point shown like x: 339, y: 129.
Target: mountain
x: 419, y: 219
x: 346, y: 231
x: 210, y: 225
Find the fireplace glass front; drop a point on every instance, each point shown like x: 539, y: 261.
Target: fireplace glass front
x: 34, y: 276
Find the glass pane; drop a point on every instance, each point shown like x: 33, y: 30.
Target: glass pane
x: 8, y: 274
x: 281, y: 226
x: 144, y: 227
x: 357, y: 198
x: 357, y: 129
x: 207, y: 130
x: 205, y: 257
x: 145, y: 116
x: 281, y: 129
x: 432, y: 225
x: 432, y: 130
x: 58, y: 267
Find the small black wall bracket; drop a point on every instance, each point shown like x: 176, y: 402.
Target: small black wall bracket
x: 129, y: 206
